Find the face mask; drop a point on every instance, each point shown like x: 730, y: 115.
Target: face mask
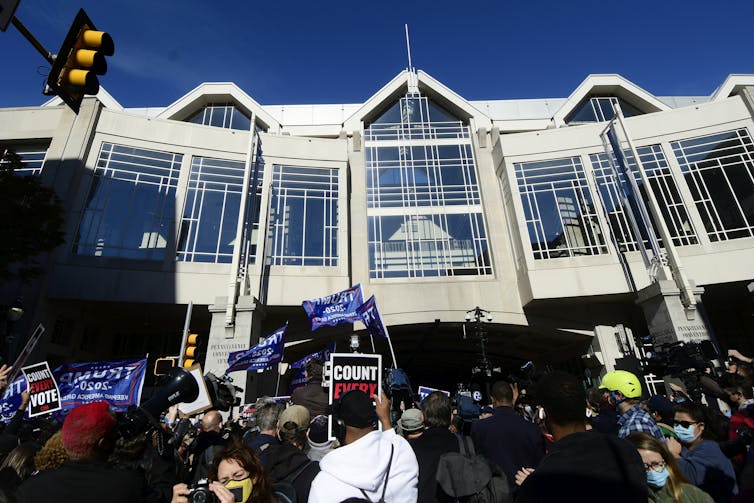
x: 657, y: 479
x: 241, y: 489
x: 685, y: 435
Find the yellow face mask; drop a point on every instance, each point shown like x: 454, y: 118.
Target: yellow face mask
x: 241, y: 489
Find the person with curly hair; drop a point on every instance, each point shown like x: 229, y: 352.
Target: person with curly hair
x: 52, y: 455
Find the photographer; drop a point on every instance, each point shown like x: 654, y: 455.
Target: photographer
x: 236, y: 475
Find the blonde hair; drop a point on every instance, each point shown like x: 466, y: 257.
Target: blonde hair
x: 52, y: 455
x: 650, y: 443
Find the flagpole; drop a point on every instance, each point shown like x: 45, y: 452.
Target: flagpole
x: 371, y: 338
x: 390, y: 343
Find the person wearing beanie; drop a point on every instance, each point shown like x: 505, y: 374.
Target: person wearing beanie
x: 372, y: 464
x: 412, y: 424
x: 318, y: 440
x: 88, y: 437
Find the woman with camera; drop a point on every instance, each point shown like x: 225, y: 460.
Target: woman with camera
x: 664, y: 478
x: 236, y: 476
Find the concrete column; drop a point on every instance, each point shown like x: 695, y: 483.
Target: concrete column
x: 667, y: 318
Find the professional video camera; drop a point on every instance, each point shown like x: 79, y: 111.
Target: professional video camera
x: 691, y: 362
x: 222, y: 391
x: 179, y: 387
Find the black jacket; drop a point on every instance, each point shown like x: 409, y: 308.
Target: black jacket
x: 432, y: 444
x: 587, y: 463
x: 283, y: 460
x: 509, y: 441
x: 84, y: 482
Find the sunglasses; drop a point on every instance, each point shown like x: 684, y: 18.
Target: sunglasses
x: 685, y: 424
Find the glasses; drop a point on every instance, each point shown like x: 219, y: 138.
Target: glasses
x: 685, y: 424
x: 656, y: 466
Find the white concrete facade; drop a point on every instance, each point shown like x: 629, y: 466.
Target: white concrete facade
x: 531, y: 299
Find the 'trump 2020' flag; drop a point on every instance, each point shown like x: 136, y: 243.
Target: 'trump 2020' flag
x: 370, y: 315
x: 265, y: 354
x: 334, y: 309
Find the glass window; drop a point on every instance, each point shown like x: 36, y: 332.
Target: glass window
x: 304, y: 216
x: 130, y: 207
x: 599, y: 109
x: 423, y: 202
x: 613, y: 184
x: 210, y: 214
x: 719, y: 170
x: 225, y: 115
x: 559, y: 210
x: 28, y: 159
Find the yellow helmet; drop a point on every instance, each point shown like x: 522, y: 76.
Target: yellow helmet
x: 625, y: 382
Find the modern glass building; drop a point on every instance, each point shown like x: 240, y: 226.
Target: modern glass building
x: 568, y: 224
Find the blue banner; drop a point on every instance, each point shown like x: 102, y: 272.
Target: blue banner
x: 265, y: 354
x: 119, y: 383
x: 299, y: 378
x: 425, y: 391
x: 370, y: 315
x: 334, y: 309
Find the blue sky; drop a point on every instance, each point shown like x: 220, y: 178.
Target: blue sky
x: 342, y: 52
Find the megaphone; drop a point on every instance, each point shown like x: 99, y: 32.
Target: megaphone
x: 180, y: 387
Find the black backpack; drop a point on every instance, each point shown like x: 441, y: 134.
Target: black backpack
x: 468, y: 477
x: 284, y: 490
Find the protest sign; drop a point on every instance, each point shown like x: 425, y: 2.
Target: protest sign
x: 350, y: 371
x: 425, y: 390
x: 334, y: 309
x: 267, y: 353
x: 44, y: 396
x: 118, y: 382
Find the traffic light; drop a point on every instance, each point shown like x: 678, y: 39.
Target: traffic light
x: 80, y: 59
x: 163, y: 365
x: 191, y: 353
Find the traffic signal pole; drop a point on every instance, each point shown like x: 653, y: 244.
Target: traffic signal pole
x: 32, y: 40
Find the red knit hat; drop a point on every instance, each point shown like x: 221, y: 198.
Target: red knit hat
x: 84, y: 426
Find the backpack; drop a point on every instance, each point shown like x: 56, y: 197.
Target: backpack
x: 468, y: 477
x: 284, y: 490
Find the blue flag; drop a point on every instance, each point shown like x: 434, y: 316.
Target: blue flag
x: 265, y: 354
x: 299, y: 379
x: 370, y: 315
x: 334, y: 309
x: 119, y: 383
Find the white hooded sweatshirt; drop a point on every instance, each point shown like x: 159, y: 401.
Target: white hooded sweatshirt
x: 362, y: 465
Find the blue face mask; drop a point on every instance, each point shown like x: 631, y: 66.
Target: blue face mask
x: 685, y: 435
x: 657, y: 479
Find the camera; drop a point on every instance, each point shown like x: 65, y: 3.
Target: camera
x: 200, y: 493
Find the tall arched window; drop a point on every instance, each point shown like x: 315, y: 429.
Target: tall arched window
x: 423, y: 205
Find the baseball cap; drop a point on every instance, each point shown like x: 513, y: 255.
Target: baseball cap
x: 297, y: 414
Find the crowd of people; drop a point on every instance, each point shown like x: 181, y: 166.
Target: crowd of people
x: 553, y: 441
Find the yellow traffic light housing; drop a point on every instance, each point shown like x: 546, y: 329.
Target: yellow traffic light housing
x: 80, y: 59
x: 191, y: 353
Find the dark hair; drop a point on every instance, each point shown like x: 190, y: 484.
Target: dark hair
x: 739, y: 384
x: 502, y: 391
x: 249, y: 461
x: 563, y: 398
x: 436, y: 408
x: 595, y: 396
x: 700, y: 414
x: 314, y: 369
x: 291, y: 434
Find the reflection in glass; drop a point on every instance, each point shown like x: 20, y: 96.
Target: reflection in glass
x: 560, y: 214
x: 225, y: 115
x: 719, y: 170
x: 599, y: 109
x: 130, y: 207
x: 423, y: 202
x: 304, y: 216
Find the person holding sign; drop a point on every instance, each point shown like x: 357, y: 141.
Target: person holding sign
x: 371, y: 464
